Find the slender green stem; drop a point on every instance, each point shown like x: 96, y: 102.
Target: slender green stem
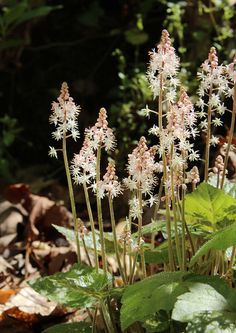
x: 157, y: 206
x: 129, y: 245
x: 177, y: 241
x: 183, y: 231
x: 86, y: 251
x: 72, y: 198
x: 232, y: 258
x: 140, y: 224
x: 231, y: 133
x: 90, y: 213
x: 131, y: 278
x: 124, y: 260
x: 113, y: 224
x: 208, y: 137
x: 168, y: 221
x: 94, y: 320
x: 99, y: 210
x: 107, y: 317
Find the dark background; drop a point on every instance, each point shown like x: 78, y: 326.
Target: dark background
x: 101, y: 49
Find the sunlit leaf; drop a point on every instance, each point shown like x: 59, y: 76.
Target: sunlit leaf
x: 81, y: 286
x: 80, y: 327
x: 70, y: 236
x: 221, y: 240
x: 202, y: 304
x: 210, y: 207
x: 158, y: 292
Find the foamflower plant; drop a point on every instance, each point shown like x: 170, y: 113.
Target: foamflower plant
x: 178, y: 240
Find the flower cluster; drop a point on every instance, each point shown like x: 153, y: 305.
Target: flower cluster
x: 163, y: 68
x: 193, y: 176
x: 110, y: 185
x: 142, y: 168
x: 64, y: 115
x: 231, y: 70
x: 83, y: 165
x: 219, y: 165
x: 181, y: 125
x: 100, y: 134
x: 214, y: 86
x: 180, y: 128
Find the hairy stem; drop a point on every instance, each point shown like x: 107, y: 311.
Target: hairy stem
x: 72, y: 198
x: 208, y: 137
x: 113, y: 224
x: 168, y: 222
x: 90, y: 213
x: 140, y: 224
x: 99, y: 210
x: 107, y: 317
x: 231, y: 133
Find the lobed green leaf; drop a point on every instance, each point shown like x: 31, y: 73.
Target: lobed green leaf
x: 80, y: 327
x: 81, y: 286
x: 158, y: 292
x: 221, y: 240
x: 210, y: 207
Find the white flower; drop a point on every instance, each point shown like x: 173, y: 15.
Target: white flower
x: 110, y: 185
x: 141, y: 168
x: 100, y: 134
x: 221, y: 109
x: 215, y: 100
x: 204, y: 124
x: 214, y: 140
x: 217, y: 122
x: 164, y: 62
x: 135, y: 209
x: 193, y: 156
x: 52, y: 152
x: 83, y: 166
x: 152, y: 200
x: 64, y: 115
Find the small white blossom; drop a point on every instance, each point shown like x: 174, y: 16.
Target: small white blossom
x: 52, y: 152
x: 165, y: 63
x: 100, y: 134
x: 141, y: 168
x: 214, y: 140
x: 110, y: 185
x: 135, y: 209
x: 64, y: 115
x: 217, y: 122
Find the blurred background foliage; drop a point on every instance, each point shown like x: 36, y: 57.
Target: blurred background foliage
x: 100, y: 47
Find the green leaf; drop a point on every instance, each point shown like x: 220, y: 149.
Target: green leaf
x: 70, y: 236
x: 221, y: 240
x: 157, y: 323
x: 11, y: 15
x: 156, y: 256
x: 37, y: 12
x: 80, y: 327
x: 201, y: 299
x: 92, y: 15
x: 145, y: 298
x: 209, y: 207
x: 81, y: 286
x: 213, y: 322
x: 136, y: 37
x: 217, y: 283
